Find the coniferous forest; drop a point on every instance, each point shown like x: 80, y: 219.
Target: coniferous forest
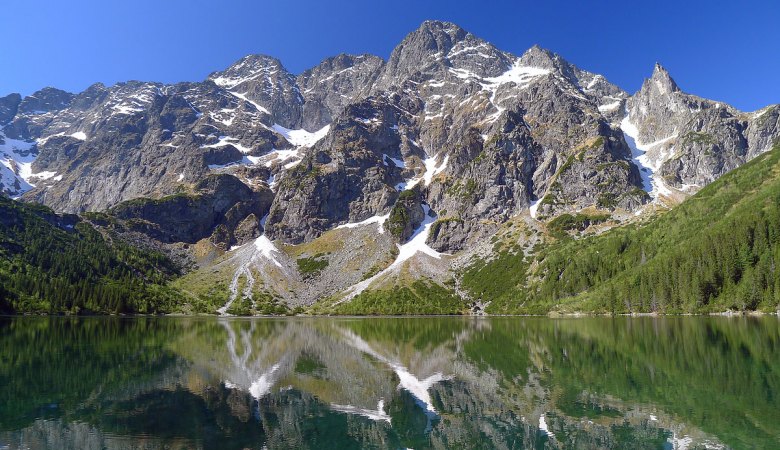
x: 57, y: 264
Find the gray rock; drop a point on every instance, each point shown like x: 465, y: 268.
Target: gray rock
x: 333, y: 84
x: 698, y: 140
x: 219, y: 206
x: 264, y: 80
x: 9, y: 105
x: 481, y: 133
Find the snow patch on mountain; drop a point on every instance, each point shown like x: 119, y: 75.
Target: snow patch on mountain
x: 380, y: 220
x: 243, y: 97
x: 519, y: 74
x: 227, y: 140
x: 283, y: 156
x: 609, y: 106
x: 647, y: 167
x: 16, y: 157
x: 533, y: 208
x: 416, y: 244
x: 398, y: 162
x: 301, y: 137
x: 432, y: 168
x: 262, y: 249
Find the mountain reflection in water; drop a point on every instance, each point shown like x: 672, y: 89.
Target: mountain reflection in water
x: 389, y: 383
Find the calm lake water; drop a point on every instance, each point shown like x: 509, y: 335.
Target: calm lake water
x: 629, y: 383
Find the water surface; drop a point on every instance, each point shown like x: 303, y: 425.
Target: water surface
x: 694, y: 382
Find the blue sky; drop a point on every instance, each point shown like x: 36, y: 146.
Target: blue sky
x: 729, y: 53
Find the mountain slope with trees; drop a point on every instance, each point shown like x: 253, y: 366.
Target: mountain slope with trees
x: 63, y: 264
x: 719, y: 250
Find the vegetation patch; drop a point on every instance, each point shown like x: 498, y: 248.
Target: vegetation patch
x: 567, y: 165
x: 311, y: 267
x: 436, y: 226
x: 498, y: 280
x: 606, y: 200
x: 466, y: 190
x: 697, y: 137
x: 576, y: 222
x: 621, y: 164
x: 420, y: 297
x: 718, y: 250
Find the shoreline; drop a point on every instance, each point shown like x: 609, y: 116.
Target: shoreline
x: 552, y: 315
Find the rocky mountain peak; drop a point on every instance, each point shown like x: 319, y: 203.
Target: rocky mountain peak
x: 542, y: 58
x: 433, y: 39
x: 265, y: 83
x: 46, y: 100
x: 661, y: 81
x: 8, y: 107
x: 441, y: 29
x: 248, y: 68
x: 436, y: 47
x: 539, y: 57
x: 328, y: 87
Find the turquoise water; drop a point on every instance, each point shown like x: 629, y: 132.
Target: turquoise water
x: 688, y: 382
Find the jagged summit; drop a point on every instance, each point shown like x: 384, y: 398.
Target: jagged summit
x: 46, y: 100
x: 431, y: 152
x: 9, y: 105
x: 539, y: 57
x: 661, y: 80
x: 248, y: 68
x: 441, y: 26
x: 434, y: 48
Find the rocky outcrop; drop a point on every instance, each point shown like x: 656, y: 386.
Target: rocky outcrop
x: 345, y: 178
x: 333, y: 84
x: 221, y: 207
x: 691, y: 140
x: 9, y: 105
x: 407, y: 214
x: 264, y: 81
x: 140, y: 140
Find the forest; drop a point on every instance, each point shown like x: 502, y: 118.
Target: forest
x: 62, y: 264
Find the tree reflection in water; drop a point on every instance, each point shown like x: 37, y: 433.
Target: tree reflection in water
x: 389, y: 383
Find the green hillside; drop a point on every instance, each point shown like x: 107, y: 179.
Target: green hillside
x: 718, y: 250
x: 62, y: 264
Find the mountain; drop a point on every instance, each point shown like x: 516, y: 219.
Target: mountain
x: 716, y: 251
x: 363, y: 176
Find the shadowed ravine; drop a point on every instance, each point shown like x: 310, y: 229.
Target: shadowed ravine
x: 389, y: 383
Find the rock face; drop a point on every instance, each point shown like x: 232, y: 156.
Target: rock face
x: 329, y: 87
x: 266, y: 83
x: 9, y: 105
x: 221, y: 207
x: 692, y: 141
x: 449, y: 124
x: 483, y: 133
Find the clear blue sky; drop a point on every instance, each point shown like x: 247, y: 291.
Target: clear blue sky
x: 729, y: 53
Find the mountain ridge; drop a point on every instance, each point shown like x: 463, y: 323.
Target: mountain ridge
x: 423, y: 158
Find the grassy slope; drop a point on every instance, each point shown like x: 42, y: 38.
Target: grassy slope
x: 418, y: 297
x: 717, y: 250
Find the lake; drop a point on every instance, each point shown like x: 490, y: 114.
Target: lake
x: 435, y: 382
